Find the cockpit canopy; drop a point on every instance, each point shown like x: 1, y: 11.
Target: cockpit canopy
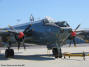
x: 62, y: 24
x: 49, y: 20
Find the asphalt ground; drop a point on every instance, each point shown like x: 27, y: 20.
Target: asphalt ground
x: 38, y: 56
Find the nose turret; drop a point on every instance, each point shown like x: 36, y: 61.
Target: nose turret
x: 63, y: 35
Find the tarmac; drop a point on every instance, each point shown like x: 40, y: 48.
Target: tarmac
x: 38, y: 56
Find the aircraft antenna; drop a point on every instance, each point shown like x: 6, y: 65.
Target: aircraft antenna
x: 31, y: 18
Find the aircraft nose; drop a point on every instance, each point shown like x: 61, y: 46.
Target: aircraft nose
x: 63, y: 35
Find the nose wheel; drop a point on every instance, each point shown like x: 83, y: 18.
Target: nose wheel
x: 56, y: 53
x: 9, y: 53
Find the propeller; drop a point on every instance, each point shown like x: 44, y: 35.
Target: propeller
x: 27, y: 28
x: 19, y: 36
x: 73, y: 35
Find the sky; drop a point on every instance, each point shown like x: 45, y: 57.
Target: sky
x: 13, y: 12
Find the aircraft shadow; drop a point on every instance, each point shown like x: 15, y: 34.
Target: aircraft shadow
x: 2, y: 57
x: 38, y: 57
x: 34, y: 57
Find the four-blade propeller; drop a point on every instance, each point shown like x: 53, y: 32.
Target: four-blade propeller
x: 73, y: 35
x: 19, y: 36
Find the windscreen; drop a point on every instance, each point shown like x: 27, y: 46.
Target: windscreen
x: 62, y: 24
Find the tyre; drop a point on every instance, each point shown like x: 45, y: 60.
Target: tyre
x: 60, y: 54
x: 6, y: 53
x: 55, y: 52
x: 9, y: 53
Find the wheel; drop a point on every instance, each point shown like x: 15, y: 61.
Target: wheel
x: 60, y: 53
x: 9, y: 53
x: 55, y: 52
x: 6, y: 53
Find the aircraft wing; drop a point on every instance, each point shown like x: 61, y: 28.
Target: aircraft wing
x: 6, y: 32
x: 83, y: 34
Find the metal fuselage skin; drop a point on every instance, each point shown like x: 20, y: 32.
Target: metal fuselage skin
x: 43, y: 33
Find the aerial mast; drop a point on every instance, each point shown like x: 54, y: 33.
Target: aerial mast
x: 31, y: 18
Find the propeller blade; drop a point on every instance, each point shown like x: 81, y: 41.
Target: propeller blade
x: 74, y: 42
x: 77, y: 27
x: 27, y: 28
x: 23, y: 44
x: 18, y: 45
x: 12, y: 28
x: 75, y: 36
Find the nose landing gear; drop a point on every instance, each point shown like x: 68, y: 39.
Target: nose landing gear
x: 56, y: 53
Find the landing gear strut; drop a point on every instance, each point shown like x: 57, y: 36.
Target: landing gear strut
x: 57, y: 53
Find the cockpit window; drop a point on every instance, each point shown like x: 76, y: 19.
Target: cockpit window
x: 62, y: 24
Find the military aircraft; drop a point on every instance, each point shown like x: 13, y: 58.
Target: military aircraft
x: 41, y: 32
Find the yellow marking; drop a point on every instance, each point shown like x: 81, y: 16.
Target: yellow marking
x: 88, y: 55
x: 70, y: 54
x: 74, y: 55
x: 87, y: 41
x: 6, y: 30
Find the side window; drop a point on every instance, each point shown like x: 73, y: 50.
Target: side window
x: 45, y: 21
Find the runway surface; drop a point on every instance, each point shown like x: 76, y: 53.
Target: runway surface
x: 37, y: 56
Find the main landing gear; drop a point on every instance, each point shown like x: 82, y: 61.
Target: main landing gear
x: 9, y: 53
x: 56, y: 53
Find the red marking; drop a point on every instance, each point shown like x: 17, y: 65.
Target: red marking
x: 21, y: 35
x: 73, y: 33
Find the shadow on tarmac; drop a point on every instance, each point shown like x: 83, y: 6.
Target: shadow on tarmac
x: 38, y: 57
x: 2, y: 57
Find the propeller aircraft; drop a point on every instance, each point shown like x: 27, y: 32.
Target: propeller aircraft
x: 40, y: 32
